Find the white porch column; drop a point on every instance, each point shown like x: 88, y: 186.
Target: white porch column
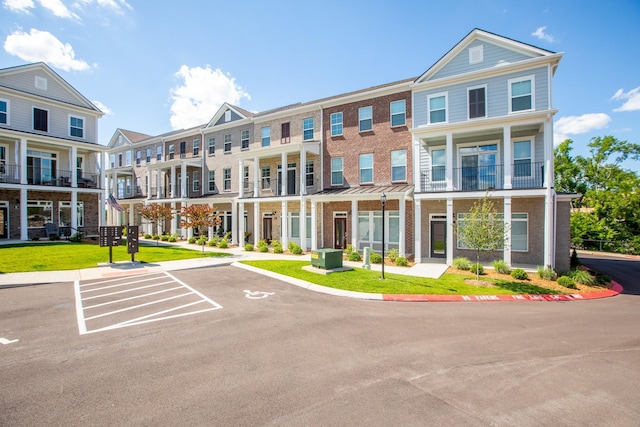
x: 354, y: 224
x: 550, y: 198
x: 74, y: 211
x: 174, y: 218
x: 73, y: 163
x: 172, y: 186
x: 183, y: 181
x: 284, y: 225
x: 256, y: 223
x: 508, y: 163
x: 241, y: 229
x: 417, y: 173
x: 241, y: 178
x: 303, y: 171
x: 149, y: 176
x: 256, y: 179
x: 23, y: 163
x: 507, y: 227
x: 101, y: 211
x: 113, y: 188
x: 303, y: 223
x: 24, y: 221
x: 450, y: 240
x: 132, y: 214
x: 283, y: 176
x: 402, y: 234
x: 314, y: 225
x: 449, y: 162
x: 234, y: 223
x: 417, y: 231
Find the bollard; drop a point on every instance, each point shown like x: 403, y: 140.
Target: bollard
x: 365, y: 258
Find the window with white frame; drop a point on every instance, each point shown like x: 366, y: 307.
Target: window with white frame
x: 4, y: 111
x: 307, y: 129
x: 127, y: 157
x: 308, y: 225
x: 196, y: 181
x: 438, y: 164
x: 399, y: 165
x: 76, y: 126
x: 3, y: 161
x: 41, y: 83
x: 172, y: 151
x: 245, y: 177
x: 476, y: 54
x: 266, y: 177
x: 227, y: 143
x: 112, y: 161
x: 519, y: 238
x: 437, y: 105
x: 138, y: 158
x: 309, y: 178
x: 336, y: 124
x: 522, y: 157
x: 365, y: 119
x: 477, y: 101
x: 370, y: 228
x: 212, y: 146
x: 183, y: 149
x: 398, y: 113
x: 227, y: 116
x: 159, y: 153
x: 39, y: 212
x: 148, y: 155
x: 196, y: 147
x: 336, y: 171
x: 226, y: 179
x: 521, y: 94
x: 294, y: 225
x: 212, y: 181
x: 265, y: 134
x: 41, y: 167
x: 244, y: 139
x: 120, y: 160
x: 366, y: 168
x: 64, y: 214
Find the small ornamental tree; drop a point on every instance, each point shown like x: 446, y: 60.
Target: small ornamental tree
x: 199, y: 216
x: 156, y: 213
x: 482, y: 229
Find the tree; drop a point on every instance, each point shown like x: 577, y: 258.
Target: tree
x: 199, y: 216
x: 482, y: 229
x: 156, y: 213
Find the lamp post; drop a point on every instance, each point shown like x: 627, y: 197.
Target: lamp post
x: 383, y: 200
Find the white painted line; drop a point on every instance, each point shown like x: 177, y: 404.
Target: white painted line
x: 119, y: 285
x: 128, y: 290
x: 212, y: 302
x: 132, y: 298
x: 82, y: 327
x: 5, y: 341
x: 119, y: 278
x: 133, y: 307
x: 169, y: 310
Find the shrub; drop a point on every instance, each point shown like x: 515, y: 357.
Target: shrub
x: 602, y: 279
x: 477, y: 269
x: 296, y: 249
x: 461, y: 263
x: 348, y: 249
x: 392, y: 254
x: 147, y: 235
x: 519, y: 274
x: 54, y: 237
x: 223, y: 244
x: 173, y: 238
x: 262, y: 242
x: 547, y: 273
x: 248, y: 247
x: 500, y: 266
x: 355, y: 256
x: 402, y: 261
x: 212, y: 242
x: 574, y: 262
x: 164, y: 237
x: 567, y: 282
x: 582, y: 276
x: 156, y: 237
x: 192, y: 239
x: 77, y: 237
x: 276, y: 243
x: 277, y: 249
x: 375, y: 258
x: 35, y: 238
x: 124, y: 231
x: 263, y: 248
x: 202, y: 240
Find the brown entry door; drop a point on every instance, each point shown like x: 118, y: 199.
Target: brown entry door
x: 4, y: 229
x: 340, y: 233
x: 267, y: 223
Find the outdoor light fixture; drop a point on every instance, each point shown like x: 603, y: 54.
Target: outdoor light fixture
x: 383, y: 200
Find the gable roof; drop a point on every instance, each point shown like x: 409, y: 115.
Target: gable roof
x: 224, y: 107
x: 134, y: 136
x: 82, y: 101
x: 478, y: 34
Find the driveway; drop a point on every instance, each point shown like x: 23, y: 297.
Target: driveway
x: 623, y: 269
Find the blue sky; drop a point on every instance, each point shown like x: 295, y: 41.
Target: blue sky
x: 154, y: 66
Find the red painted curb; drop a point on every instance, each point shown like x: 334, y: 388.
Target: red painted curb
x: 615, y: 290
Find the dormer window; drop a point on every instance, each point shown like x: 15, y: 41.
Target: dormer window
x: 476, y: 54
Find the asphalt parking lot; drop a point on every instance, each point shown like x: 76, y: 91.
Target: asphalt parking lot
x: 268, y: 353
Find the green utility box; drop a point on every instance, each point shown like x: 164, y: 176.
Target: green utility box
x: 326, y: 258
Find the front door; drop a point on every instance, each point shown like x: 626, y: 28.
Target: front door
x: 291, y: 181
x: 4, y: 229
x: 340, y: 227
x: 438, y: 239
x: 267, y: 223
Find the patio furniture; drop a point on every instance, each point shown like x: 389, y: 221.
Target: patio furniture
x: 50, y: 229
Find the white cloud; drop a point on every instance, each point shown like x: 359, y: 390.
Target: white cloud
x: 201, y: 93
x: 58, y: 9
x: 43, y: 46
x: 115, y: 5
x: 539, y: 33
x: 575, y: 125
x: 106, y: 110
x: 632, y: 99
x: 20, y: 6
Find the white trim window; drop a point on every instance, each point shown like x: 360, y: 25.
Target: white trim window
x: 148, y: 155
x: 245, y: 177
x: 172, y: 151
x: 76, y: 126
x: 226, y: 179
x: 212, y: 146
x: 437, y: 108
x: 307, y: 129
x: 227, y: 116
x: 196, y: 181
x: 309, y: 176
x: 476, y: 54
x: 399, y: 165
x: 127, y: 158
x: 398, y: 110
x: 365, y: 119
x: 265, y: 135
x: 336, y: 124
x: 4, y: 111
x: 138, y: 159
x: 477, y: 101
x: 370, y: 229
x: 336, y: 171
x: 521, y: 94
x: 64, y: 214
x: 522, y: 158
x: 196, y: 147
x: 244, y: 139
x: 41, y: 83
x: 212, y: 181
x: 294, y: 225
x: 265, y: 177
x: 227, y: 143
x: 366, y: 168
x: 112, y: 161
x: 39, y: 212
x: 519, y: 231
x: 159, y: 153
x: 438, y: 164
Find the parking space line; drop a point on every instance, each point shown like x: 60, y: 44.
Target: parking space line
x: 129, y: 290
x: 132, y: 298
x: 114, y: 286
x: 133, y: 307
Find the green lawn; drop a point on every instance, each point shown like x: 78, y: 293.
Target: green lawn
x: 361, y: 280
x: 71, y: 256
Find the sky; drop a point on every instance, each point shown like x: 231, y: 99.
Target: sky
x: 154, y: 66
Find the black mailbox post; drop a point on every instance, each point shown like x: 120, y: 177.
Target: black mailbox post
x: 132, y: 241
x: 110, y: 236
